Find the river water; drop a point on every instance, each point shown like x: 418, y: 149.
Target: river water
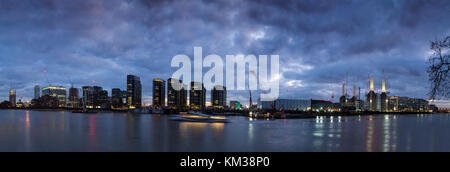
x: 64, y: 131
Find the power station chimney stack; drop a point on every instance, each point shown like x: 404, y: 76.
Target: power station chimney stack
x: 359, y: 93
x: 354, y: 90
x: 372, y: 97
x: 371, y: 84
x: 384, y: 98
x: 343, y: 99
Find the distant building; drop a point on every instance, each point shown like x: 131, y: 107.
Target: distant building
x: 117, y: 98
x: 235, y: 105
x: 100, y: 97
x: 197, y: 96
x: 393, y: 105
x: 324, y: 106
x: 46, y: 101
x: 37, y: 92
x: 12, y: 97
x: 300, y: 105
x: 406, y: 104
x: 219, y: 96
x: 95, y: 97
x: 59, y: 93
x: 183, y: 96
x: 285, y: 104
x: 20, y: 104
x: 134, y: 89
x: 88, y: 97
x: 74, y: 100
x: 350, y: 104
x: 159, y: 93
x: 176, y: 93
x: 124, y: 96
x: 103, y: 100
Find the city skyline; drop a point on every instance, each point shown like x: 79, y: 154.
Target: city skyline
x: 42, y: 44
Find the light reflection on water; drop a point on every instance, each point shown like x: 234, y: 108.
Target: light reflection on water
x: 63, y: 131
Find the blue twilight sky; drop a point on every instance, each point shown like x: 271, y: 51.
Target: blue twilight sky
x: 321, y: 43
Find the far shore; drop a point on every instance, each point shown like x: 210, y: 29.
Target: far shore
x: 286, y: 115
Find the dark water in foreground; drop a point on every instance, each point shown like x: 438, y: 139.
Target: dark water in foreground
x: 64, y: 131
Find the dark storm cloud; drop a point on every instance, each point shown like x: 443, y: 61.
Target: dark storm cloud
x: 321, y: 43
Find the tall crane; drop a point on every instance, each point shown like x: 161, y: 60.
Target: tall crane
x: 253, y: 73
x: 46, y: 77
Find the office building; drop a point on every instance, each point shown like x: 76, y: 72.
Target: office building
x: 134, y: 92
x: 88, y: 97
x: 95, y: 97
x: 12, y: 97
x: 197, y: 96
x: 37, y: 92
x: 219, y: 96
x: 183, y: 96
x: 57, y: 92
x: 74, y: 100
x: 393, y: 104
x: 103, y: 100
x: 159, y: 93
x: 406, y: 104
x: 176, y: 94
x: 117, y: 98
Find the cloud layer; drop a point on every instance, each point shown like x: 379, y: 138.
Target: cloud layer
x: 321, y: 43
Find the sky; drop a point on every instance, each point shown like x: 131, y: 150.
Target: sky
x: 321, y: 43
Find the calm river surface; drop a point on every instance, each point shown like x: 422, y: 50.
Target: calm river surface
x: 64, y: 131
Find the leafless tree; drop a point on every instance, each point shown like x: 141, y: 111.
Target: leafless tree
x: 439, y: 67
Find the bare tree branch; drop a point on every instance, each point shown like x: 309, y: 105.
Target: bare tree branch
x: 439, y: 68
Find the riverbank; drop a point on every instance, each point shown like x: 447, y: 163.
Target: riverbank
x: 315, y: 115
x: 287, y: 115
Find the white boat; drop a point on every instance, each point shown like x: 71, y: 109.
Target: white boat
x: 199, y: 117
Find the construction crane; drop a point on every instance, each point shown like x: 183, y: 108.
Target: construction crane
x: 253, y: 73
x: 48, y: 81
x: 70, y: 81
x: 46, y: 77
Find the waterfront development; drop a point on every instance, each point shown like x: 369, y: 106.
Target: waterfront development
x: 22, y: 130
x: 96, y: 99
x: 224, y: 76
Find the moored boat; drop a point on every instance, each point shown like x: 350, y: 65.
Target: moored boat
x: 199, y: 117
x: 260, y: 115
x: 83, y: 111
x: 77, y: 111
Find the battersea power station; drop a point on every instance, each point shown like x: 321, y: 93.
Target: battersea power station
x: 382, y: 102
x: 374, y: 101
x: 377, y: 102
